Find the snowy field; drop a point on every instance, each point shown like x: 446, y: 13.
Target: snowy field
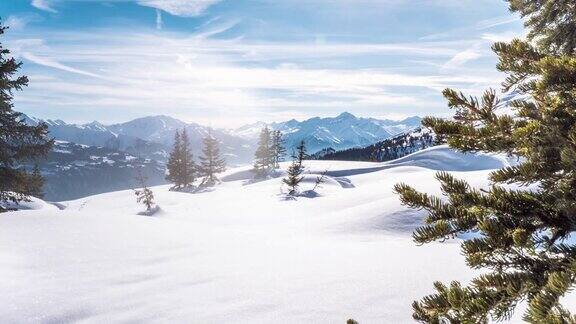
x: 240, y: 253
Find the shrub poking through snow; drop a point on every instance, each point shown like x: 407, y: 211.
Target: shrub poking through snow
x: 144, y: 195
x: 320, y: 180
x: 295, y: 170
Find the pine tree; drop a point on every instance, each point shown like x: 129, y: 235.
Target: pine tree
x: 296, y: 169
x: 187, y: 167
x: 278, y: 149
x: 181, y: 167
x: 522, y: 232
x: 301, y: 152
x: 144, y: 195
x: 263, y: 157
x: 211, y: 162
x: 19, y: 142
x: 173, y: 164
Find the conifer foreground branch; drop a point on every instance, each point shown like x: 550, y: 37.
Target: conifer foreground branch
x: 522, y: 232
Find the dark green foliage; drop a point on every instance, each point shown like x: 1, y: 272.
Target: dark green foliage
x: 296, y: 169
x: 211, y: 162
x: 181, y: 167
x: 521, y: 232
x: 19, y: 142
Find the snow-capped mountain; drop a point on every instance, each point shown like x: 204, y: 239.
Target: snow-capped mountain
x: 149, y: 137
x: 341, y: 132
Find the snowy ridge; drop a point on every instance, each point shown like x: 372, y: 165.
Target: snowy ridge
x: 341, y: 132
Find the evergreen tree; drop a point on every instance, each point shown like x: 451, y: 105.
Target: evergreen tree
x: 211, y: 162
x: 173, y: 164
x: 301, y: 154
x: 263, y: 157
x: 296, y: 169
x: 181, y: 167
x: 19, y: 142
x: 188, y: 168
x: 278, y: 149
x: 522, y: 232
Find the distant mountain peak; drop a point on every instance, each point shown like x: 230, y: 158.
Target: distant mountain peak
x: 346, y: 115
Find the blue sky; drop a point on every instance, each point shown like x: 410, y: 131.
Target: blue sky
x: 230, y: 62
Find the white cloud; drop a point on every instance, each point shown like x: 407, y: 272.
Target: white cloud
x: 43, y: 5
x: 50, y: 62
x: 198, y: 76
x: 498, y: 21
x: 184, y: 8
x: 462, y: 58
x: 16, y: 22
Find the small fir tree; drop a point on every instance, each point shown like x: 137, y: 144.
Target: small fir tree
x: 211, y: 162
x: 278, y: 148
x: 144, y: 195
x: 522, y: 232
x: 19, y: 142
x: 296, y: 169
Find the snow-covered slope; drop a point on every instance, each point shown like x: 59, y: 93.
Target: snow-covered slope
x: 240, y: 253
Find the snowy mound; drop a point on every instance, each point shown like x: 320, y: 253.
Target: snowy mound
x: 444, y: 158
x: 32, y: 204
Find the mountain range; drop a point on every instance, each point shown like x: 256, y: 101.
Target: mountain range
x: 93, y: 157
x: 341, y: 132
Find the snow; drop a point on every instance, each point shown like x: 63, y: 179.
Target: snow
x: 238, y: 253
x: 32, y: 204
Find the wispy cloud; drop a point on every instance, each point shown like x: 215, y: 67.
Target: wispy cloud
x: 498, y: 21
x: 16, y: 22
x: 43, y: 5
x: 462, y: 58
x: 191, y: 75
x: 184, y: 8
x: 50, y: 62
x: 265, y: 59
